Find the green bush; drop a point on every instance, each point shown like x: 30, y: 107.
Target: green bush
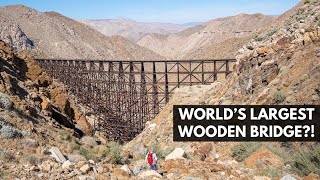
x: 271, y: 172
x: 114, y: 155
x: 303, y: 160
x: 9, y: 132
x: 244, y: 149
x: 278, y: 97
x: 258, y: 38
x: 86, y: 153
x: 33, y: 160
x: 299, y: 17
x: 64, y: 135
x: 75, y: 146
x: 272, y: 32
x: 3, y: 174
x: 101, y: 151
x: 306, y: 160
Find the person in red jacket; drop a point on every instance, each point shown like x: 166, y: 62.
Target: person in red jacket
x: 151, y: 159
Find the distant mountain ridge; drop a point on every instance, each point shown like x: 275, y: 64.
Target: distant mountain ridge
x: 134, y: 30
x: 53, y: 35
x: 203, y: 41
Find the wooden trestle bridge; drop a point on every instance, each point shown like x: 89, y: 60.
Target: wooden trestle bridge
x: 123, y: 95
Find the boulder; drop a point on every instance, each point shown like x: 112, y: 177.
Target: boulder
x: 120, y: 173
x: 45, y: 166
x: 75, y: 158
x: 288, y: 177
x: 57, y: 155
x: 126, y: 169
x: 136, y: 170
x: 311, y: 176
x: 263, y: 158
x: 192, y: 178
x: 137, y: 151
x: 172, y: 166
x: 67, y: 165
x: 45, y: 104
x: 149, y: 173
x: 88, y: 141
x: 176, y: 154
x: 5, y: 102
x: 261, y: 178
x: 85, y: 168
x: 86, y: 178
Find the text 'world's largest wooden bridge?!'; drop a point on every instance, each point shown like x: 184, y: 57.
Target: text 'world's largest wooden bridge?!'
x: 123, y: 95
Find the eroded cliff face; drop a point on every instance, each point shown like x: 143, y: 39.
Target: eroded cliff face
x: 35, y: 93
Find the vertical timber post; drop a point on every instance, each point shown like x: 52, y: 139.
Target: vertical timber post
x: 190, y: 73
x: 227, y: 68
x: 202, y: 72
x: 215, y: 71
x: 155, y: 91
x: 178, y: 73
x: 166, y: 83
x: 144, y: 107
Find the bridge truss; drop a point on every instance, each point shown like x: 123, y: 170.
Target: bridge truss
x: 123, y: 95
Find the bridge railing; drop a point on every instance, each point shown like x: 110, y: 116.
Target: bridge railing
x: 123, y: 95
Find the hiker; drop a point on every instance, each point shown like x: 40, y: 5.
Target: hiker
x: 151, y: 159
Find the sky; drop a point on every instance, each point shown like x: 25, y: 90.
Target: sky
x: 173, y: 11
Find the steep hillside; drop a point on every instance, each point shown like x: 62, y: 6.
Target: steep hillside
x: 131, y: 29
x: 55, y: 36
x: 198, y: 41
x: 33, y: 110
x: 279, y: 67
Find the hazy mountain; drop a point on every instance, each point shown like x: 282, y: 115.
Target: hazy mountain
x: 134, y: 30
x: 197, y: 41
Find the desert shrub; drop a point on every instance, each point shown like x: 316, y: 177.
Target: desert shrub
x: 9, y: 132
x: 299, y: 17
x: 160, y: 152
x: 64, y: 135
x: 306, y: 1
x: 319, y: 23
x: 5, y: 157
x: 85, y: 152
x: 96, y: 153
x: 278, y: 97
x: 5, y: 102
x: 75, y: 146
x: 100, y: 152
x: 3, y: 174
x: 306, y: 160
x: 114, y: 155
x: 244, y: 149
x: 271, y: 172
x: 272, y: 32
x: 303, y: 160
x: 258, y: 38
x: 33, y: 160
